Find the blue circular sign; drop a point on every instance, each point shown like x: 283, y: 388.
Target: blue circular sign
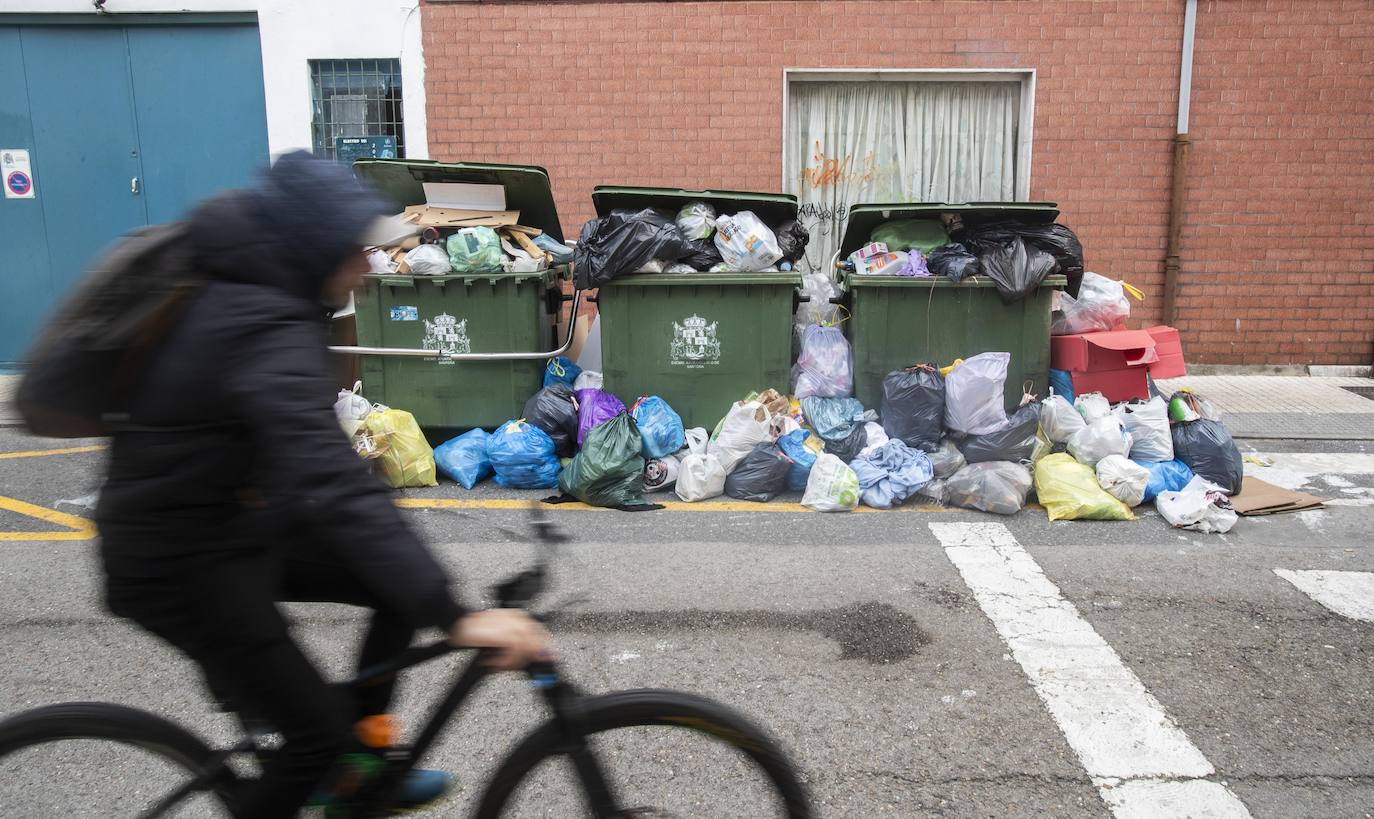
x: 19, y: 182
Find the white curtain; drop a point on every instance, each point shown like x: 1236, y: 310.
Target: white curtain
x: 853, y: 143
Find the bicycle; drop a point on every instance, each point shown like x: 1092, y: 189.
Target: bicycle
x: 577, y: 723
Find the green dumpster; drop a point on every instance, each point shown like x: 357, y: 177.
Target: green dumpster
x: 701, y: 341
x: 468, y: 350
x: 896, y: 321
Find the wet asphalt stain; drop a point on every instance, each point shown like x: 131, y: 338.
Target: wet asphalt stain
x: 873, y: 632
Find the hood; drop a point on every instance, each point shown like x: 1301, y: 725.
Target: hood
x: 291, y: 230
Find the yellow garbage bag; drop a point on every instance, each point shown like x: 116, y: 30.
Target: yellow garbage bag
x: 407, y: 459
x: 1069, y: 491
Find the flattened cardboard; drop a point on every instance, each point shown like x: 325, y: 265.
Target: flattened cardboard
x: 431, y: 216
x: 1259, y: 497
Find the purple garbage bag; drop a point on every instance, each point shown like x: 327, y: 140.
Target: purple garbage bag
x: 595, y: 407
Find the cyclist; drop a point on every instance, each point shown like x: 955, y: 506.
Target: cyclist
x: 233, y: 487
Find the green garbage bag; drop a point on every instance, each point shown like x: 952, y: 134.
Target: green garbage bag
x: 911, y: 234
x: 609, y: 469
x: 475, y: 250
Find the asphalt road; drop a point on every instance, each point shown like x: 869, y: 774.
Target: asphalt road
x: 862, y: 641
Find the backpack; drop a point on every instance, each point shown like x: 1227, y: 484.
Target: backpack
x: 85, y: 364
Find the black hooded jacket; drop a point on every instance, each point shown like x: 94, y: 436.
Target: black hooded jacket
x: 234, y: 436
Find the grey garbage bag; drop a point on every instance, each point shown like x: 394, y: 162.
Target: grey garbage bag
x: 761, y: 476
x: 913, y: 407
x: 999, y: 487
x: 554, y: 410
x: 1208, y: 449
x: 947, y: 459
x: 1016, y: 442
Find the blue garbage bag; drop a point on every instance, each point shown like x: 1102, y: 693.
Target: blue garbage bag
x: 464, y: 459
x: 659, y: 426
x: 522, y: 456
x: 793, y: 445
x: 561, y: 370
x: 832, y: 418
x: 1165, y: 476
x: 1062, y: 383
x: 891, y: 473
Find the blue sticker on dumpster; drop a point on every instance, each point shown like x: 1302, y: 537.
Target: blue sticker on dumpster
x: 405, y: 313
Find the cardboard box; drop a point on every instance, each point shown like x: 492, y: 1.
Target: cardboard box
x: 1091, y: 352
x: 1169, y: 348
x: 1129, y: 384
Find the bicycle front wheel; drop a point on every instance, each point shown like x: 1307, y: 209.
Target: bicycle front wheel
x: 663, y: 753
x: 99, y: 759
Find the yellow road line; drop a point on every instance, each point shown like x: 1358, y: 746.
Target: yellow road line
x: 43, y: 453
x: 670, y: 506
x: 82, y: 529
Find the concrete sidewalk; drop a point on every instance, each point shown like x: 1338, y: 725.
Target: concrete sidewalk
x: 1288, y: 407
x: 8, y: 415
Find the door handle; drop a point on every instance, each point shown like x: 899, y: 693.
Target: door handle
x: 133, y: 186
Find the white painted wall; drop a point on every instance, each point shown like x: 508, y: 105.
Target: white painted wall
x: 293, y: 32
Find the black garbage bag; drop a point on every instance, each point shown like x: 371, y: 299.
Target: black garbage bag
x: 703, y: 254
x: 761, y: 476
x: 792, y: 238
x: 1056, y: 240
x: 1014, y: 443
x: 913, y: 408
x: 849, y: 447
x: 623, y: 242
x: 1016, y: 268
x: 953, y: 261
x: 554, y: 410
x: 609, y: 470
x: 1207, y: 448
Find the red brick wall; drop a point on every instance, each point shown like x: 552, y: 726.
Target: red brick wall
x: 1278, y: 246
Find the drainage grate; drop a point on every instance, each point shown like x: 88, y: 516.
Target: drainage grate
x: 1363, y: 392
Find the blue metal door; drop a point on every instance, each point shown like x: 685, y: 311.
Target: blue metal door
x: 126, y: 125
x: 202, y: 121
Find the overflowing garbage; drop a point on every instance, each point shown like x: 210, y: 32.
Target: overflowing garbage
x: 695, y: 239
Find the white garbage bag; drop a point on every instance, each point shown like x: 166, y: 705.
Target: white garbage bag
x: 832, y: 486
x: 746, y: 425
x: 1123, y: 479
x: 695, y: 440
x: 974, y: 402
x: 876, y: 437
x: 1201, y: 506
x: 1099, y: 439
x: 1148, y: 424
x: 1059, y: 420
x: 1092, y: 406
x: 818, y: 289
x: 660, y: 473
x: 700, y: 477
x: 745, y: 242
x: 825, y: 368
x: 429, y: 260
x: 1101, y: 305
x: 351, y: 406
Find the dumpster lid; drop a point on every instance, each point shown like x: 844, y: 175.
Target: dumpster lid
x: 863, y: 219
x: 527, y: 186
x: 772, y: 208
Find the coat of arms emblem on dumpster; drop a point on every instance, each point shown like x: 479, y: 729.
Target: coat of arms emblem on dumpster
x: 447, y: 334
x: 694, y: 343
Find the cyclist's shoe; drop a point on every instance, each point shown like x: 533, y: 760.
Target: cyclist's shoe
x: 378, y: 733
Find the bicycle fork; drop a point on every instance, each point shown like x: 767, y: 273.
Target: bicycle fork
x: 565, y: 702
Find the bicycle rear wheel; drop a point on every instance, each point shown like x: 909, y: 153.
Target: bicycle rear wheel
x: 661, y: 753
x: 100, y: 759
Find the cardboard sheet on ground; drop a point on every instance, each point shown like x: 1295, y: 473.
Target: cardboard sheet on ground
x: 1260, y: 498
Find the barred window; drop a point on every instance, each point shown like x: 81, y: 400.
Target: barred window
x: 353, y: 98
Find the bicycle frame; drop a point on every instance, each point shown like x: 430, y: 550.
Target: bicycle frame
x: 561, y: 696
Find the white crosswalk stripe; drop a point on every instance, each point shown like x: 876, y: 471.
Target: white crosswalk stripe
x: 1142, y: 764
x: 1349, y: 594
